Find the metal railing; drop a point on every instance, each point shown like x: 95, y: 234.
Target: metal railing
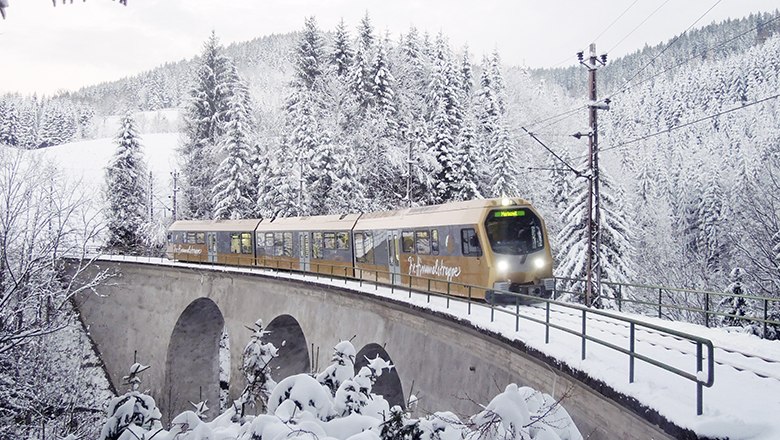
x: 677, y: 304
x: 471, y: 295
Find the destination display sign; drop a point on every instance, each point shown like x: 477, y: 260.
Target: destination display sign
x: 512, y: 213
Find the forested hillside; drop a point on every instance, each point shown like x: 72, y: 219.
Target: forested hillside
x: 332, y: 118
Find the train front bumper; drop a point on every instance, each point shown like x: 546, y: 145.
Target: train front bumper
x: 503, y: 292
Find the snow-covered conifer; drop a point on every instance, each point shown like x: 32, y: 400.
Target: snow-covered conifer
x: 126, y: 190
x: 503, y: 163
x: 203, y: 120
x: 342, y: 367
x: 133, y: 412
x: 383, y: 88
x: 467, y: 162
x: 448, y: 175
x: 257, y: 357
x: 734, y: 305
x: 341, y: 57
x: 234, y: 191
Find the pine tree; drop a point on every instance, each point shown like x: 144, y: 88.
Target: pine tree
x: 467, y: 161
x: 383, y: 90
x: 734, y: 305
x: 466, y: 76
x: 234, y: 194
x: 9, y: 124
x: 616, y: 253
x: 204, y: 117
x: 341, y: 57
x: 711, y: 239
x: 126, y: 190
x: 503, y: 163
x: 447, y: 176
x: 310, y: 59
x: 360, y: 75
x: 133, y: 412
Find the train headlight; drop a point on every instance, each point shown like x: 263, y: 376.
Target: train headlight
x: 506, y: 201
x: 539, y: 263
x: 502, y: 266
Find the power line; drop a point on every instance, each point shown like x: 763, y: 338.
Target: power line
x: 567, y: 112
x: 560, y: 159
x: 637, y: 26
x: 677, y: 127
x: 615, y: 21
x: 671, y: 43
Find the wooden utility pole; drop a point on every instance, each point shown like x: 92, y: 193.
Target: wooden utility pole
x: 175, y: 175
x: 594, y: 200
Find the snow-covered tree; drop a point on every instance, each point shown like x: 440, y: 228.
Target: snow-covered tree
x: 734, y: 305
x: 503, y: 163
x: 133, y: 414
x: 203, y: 120
x: 341, y: 55
x: 257, y: 358
x: 126, y: 190
x: 342, y: 367
x: 234, y: 191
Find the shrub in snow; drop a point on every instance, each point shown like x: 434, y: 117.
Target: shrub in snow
x: 342, y: 368
x: 523, y: 413
x: 354, y: 395
x: 257, y: 357
x: 734, y: 305
x: 133, y: 415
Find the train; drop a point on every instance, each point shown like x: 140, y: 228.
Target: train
x: 477, y: 249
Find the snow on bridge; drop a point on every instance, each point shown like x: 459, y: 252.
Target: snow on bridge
x: 743, y: 402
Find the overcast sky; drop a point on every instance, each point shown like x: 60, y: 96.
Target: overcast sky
x: 45, y: 49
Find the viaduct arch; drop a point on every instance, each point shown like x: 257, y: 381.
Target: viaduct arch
x: 157, y: 310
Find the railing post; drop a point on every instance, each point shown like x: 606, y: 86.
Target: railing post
x: 631, y: 335
x: 699, y: 386
x: 392, y: 282
x: 469, y: 306
x: 448, y: 294
x: 660, y: 296
x: 492, y: 311
x: 517, y: 313
x: 376, y: 280
x: 547, y: 323
x: 583, y: 333
x: 620, y: 298
x: 410, y: 285
x: 766, y: 314
x: 706, y: 309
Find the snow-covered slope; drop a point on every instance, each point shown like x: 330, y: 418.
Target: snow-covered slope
x: 85, y: 161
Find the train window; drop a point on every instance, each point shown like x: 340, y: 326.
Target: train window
x: 316, y: 245
x: 191, y: 237
x: 407, y: 237
x: 517, y: 232
x: 246, y: 242
x: 269, y: 242
x: 342, y: 240
x: 364, y: 247
x: 288, y: 244
x: 235, y: 243
x: 422, y: 240
x: 303, y: 248
x: 278, y: 244
x: 329, y: 239
x: 470, y: 243
x: 435, y: 241
x: 200, y: 238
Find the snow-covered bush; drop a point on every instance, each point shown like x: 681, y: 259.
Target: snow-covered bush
x: 304, y: 407
x: 734, y: 305
x: 257, y: 358
x: 133, y: 415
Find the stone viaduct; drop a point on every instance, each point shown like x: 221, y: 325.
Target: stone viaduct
x: 173, y: 318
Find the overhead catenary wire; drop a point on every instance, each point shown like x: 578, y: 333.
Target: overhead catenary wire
x: 615, y: 20
x: 560, y: 159
x: 689, y: 123
x: 638, y: 26
x: 671, y: 43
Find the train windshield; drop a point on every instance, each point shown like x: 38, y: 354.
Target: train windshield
x: 514, y: 231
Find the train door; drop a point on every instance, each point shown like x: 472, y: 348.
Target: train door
x: 394, y: 257
x: 211, y: 240
x: 304, y: 251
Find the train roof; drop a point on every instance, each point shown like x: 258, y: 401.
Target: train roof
x: 215, y: 225
x: 313, y: 223
x: 455, y: 213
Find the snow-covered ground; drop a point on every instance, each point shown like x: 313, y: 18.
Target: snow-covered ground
x: 743, y: 403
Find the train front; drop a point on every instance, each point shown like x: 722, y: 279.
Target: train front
x: 521, y: 260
